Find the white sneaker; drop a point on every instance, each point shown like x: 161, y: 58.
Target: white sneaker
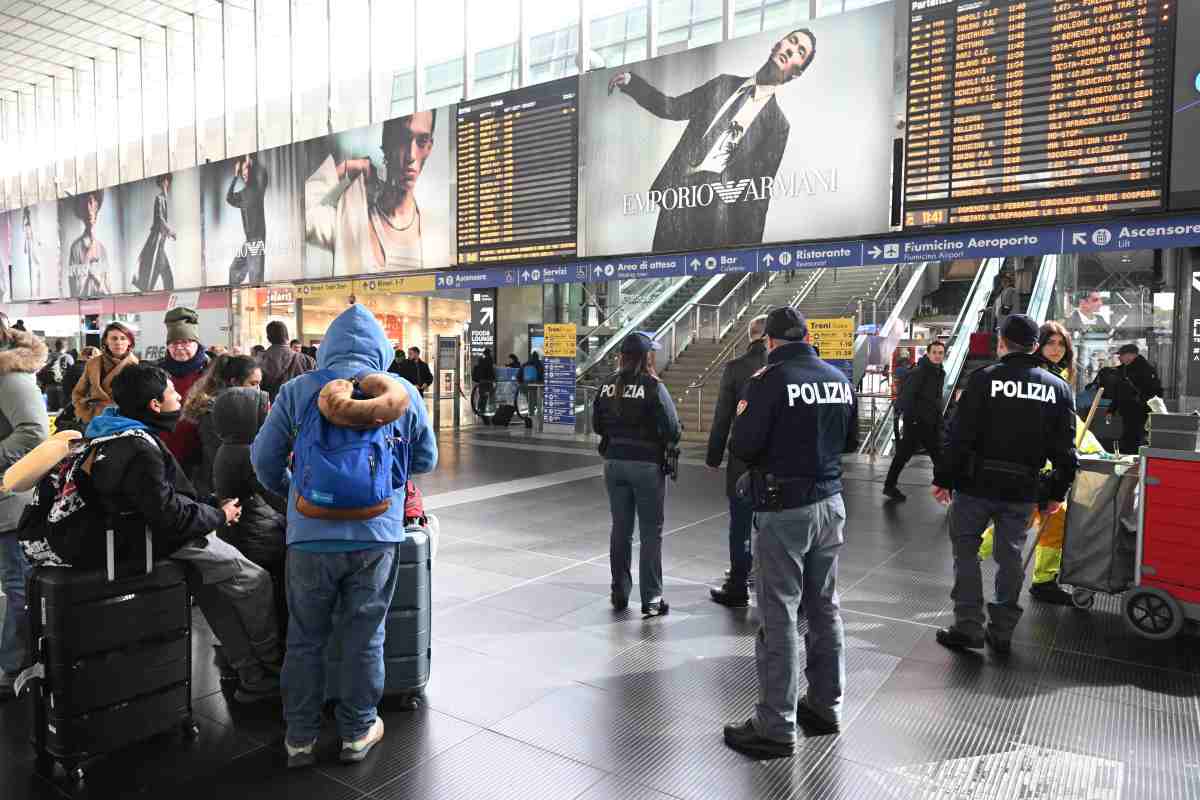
x: 357, y: 751
x: 302, y: 756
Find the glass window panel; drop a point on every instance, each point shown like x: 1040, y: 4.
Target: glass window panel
x: 108, y: 171
x: 273, y: 50
x: 310, y: 68
x: 45, y: 132
x: 27, y: 134
x: 674, y: 14
x: 154, y: 105
x: 780, y: 14
x: 64, y: 114
x: 618, y: 21
x: 706, y: 32
x: 350, y: 64
x: 210, y: 93
x: 442, y: 25
x: 12, y: 135
x: 827, y: 7
x: 241, y: 81
x: 553, y: 30
x: 854, y: 5
x: 393, y: 56
x: 181, y: 100
x: 495, y: 28
x: 85, y: 130
x: 129, y: 89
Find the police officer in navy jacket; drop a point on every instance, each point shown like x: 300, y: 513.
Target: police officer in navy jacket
x: 1013, y: 416
x: 794, y: 421
x: 635, y: 417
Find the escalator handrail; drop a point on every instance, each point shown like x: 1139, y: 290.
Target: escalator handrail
x: 602, y: 352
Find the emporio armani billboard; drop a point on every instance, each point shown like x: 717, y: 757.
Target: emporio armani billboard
x: 781, y: 136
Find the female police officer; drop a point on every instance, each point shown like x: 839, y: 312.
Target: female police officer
x: 636, y: 420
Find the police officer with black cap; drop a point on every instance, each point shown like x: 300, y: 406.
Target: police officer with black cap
x: 636, y: 420
x: 795, y: 419
x: 1012, y: 417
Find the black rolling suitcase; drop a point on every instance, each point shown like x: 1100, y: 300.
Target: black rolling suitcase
x: 504, y: 414
x: 113, y: 659
x: 407, y: 648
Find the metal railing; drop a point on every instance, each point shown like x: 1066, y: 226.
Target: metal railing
x: 967, y: 323
x: 588, y: 360
x: 684, y: 326
x: 698, y: 385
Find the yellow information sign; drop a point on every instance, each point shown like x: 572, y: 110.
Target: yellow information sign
x: 560, y: 340
x: 374, y: 287
x: 326, y: 289
x: 833, y: 337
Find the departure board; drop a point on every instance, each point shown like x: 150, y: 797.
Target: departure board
x: 518, y: 174
x: 1026, y: 110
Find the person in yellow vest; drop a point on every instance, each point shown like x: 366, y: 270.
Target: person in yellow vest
x: 1058, y: 356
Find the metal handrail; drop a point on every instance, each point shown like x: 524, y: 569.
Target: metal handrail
x: 630, y: 327
x: 723, y: 356
x: 638, y: 299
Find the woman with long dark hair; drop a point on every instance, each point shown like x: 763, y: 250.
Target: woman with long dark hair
x: 153, y: 264
x: 636, y: 420
x: 225, y: 372
x: 93, y: 392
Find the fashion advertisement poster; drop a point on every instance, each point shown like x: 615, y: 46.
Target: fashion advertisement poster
x: 6, y: 259
x: 36, y: 273
x: 377, y: 199
x: 780, y: 136
x: 253, y: 221
x: 160, y: 222
x: 91, y: 244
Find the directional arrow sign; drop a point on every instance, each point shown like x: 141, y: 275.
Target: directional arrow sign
x: 695, y: 263
x: 768, y: 259
x: 1079, y: 238
x: 875, y: 252
x: 487, y: 314
x: 598, y: 271
x: 525, y: 275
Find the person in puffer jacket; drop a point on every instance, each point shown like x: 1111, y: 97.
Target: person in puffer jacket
x: 237, y: 415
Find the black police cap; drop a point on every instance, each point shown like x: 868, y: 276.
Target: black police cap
x: 638, y: 342
x: 1021, y: 330
x: 787, y: 324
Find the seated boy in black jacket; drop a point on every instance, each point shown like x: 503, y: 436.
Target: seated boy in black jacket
x: 136, y: 480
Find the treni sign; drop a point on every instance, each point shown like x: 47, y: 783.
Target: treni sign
x: 1138, y: 233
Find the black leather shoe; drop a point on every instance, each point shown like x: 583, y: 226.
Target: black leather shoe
x: 619, y: 601
x: 749, y: 578
x: 813, y: 723
x: 731, y: 595
x: 657, y: 608
x: 746, y: 740
x: 956, y: 640
x: 894, y: 493
x: 1001, y: 647
x: 1050, y: 592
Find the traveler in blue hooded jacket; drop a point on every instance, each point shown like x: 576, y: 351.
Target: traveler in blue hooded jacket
x: 332, y: 563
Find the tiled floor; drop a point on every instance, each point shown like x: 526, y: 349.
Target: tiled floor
x: 541, y: 691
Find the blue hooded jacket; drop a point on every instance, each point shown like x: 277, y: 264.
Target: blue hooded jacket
x: 355, y: 343
x: 110, y: 422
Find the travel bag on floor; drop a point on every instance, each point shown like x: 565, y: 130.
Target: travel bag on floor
x: 504, y: 414
x: 113, y: 658
x: 406, y: 650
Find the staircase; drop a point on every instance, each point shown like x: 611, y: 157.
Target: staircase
x: 834, y: 293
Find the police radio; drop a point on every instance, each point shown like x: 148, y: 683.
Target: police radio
x: 670, y: 462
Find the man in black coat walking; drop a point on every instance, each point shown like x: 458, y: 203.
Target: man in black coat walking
x: 1135, y: 410
x: 920, y: 406
x: 734, y: 593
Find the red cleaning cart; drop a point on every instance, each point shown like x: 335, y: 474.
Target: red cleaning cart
x: 1166, y: 589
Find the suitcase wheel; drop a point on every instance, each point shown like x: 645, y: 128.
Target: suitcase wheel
x: 1153, y: 613
x: 1083, y: 598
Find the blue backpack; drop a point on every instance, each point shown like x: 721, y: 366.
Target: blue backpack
x: 345, y: 473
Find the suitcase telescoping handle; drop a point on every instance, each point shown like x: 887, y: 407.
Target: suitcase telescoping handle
x: 110, y: 554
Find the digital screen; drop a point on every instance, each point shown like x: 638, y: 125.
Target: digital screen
x: 518, y: 174
x: 1028, y: 110
x: 1185, y: 123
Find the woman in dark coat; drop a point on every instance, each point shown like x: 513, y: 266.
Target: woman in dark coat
x: 226, y: 372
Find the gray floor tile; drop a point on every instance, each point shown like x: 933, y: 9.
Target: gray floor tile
x: 481, y: 689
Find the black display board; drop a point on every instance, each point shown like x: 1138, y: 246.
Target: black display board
x: 1029, y: 110
x: 518, y: 174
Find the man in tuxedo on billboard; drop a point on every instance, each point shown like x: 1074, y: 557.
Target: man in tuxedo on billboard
x: 736, y: 131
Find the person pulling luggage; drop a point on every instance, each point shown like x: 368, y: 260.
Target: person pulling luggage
x: 636, y: 420
x: 1012, y: 417
x: 796, y: 418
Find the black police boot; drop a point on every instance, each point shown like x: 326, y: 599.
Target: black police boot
x: 957, y: 640
x: 619, y: 601
x: 746, y: 740
x: 813, y: 723
x: 893, y: 492
x: 1002, y: 646
x: 1050, y: 592
x: 749, y: 578
x: 732, y: 594
x: 655, y: 608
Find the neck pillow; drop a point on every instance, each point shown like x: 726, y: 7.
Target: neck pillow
x: 381, y: 401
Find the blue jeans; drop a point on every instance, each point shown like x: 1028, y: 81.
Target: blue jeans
x: 362, y: 583
x: 797, y: 554
x: 14, y: 570
x: 636, y: 488
x: 741, y: 517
